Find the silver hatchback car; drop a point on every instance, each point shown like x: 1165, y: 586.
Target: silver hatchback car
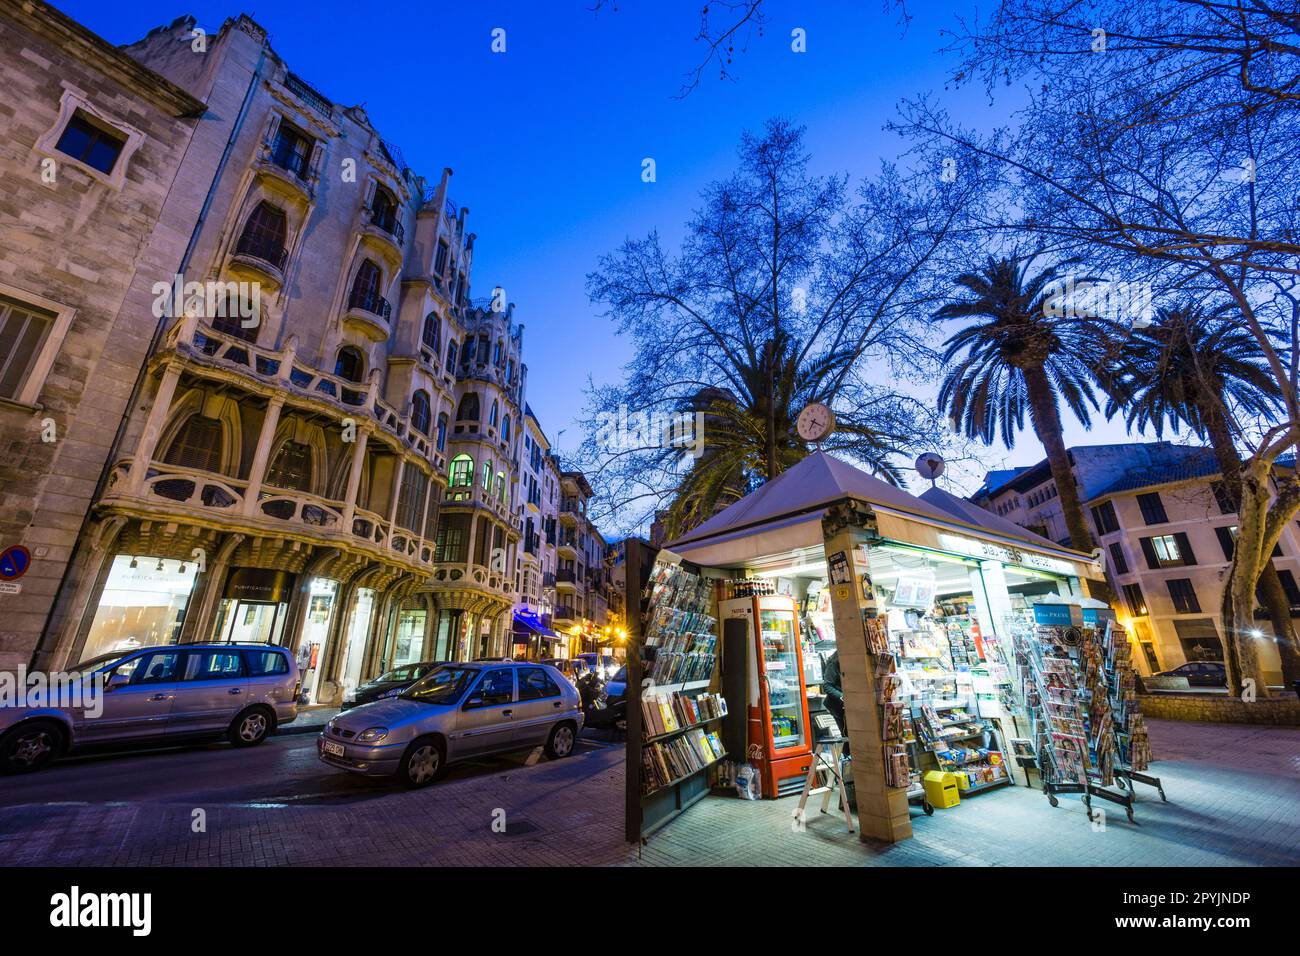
x: 456, y: 712
x: 175, y: 692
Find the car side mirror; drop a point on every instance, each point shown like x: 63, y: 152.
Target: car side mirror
x: 116, y: 681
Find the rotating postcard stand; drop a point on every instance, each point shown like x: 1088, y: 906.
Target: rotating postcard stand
x: 1110, y: 654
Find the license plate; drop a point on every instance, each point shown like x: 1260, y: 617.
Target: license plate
x: 330, y: 747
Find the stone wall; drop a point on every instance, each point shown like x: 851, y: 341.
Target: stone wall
x: 84, y: 244
x: 1282, y: 709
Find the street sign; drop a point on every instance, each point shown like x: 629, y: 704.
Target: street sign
x: 14, y: 562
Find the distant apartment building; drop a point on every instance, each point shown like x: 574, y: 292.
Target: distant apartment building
x: 99, y: 201
x: 1167, y: 533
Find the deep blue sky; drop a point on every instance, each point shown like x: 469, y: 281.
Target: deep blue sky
x: 547, y: 139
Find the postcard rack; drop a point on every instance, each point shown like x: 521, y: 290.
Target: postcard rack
x: 1056, y: 699
x: 1133, y: 747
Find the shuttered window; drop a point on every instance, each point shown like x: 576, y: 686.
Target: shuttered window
x: 22, y: 333
x: 197, y: 445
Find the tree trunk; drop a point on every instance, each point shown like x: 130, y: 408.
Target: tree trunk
x: 1269, y: 585
x: 1047, y: 425
x: 770, y: 361
x: 1241, y: 648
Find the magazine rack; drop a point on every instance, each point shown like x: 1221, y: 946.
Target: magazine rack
x: 1055, y: 696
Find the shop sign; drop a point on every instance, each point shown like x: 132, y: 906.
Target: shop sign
x: 1043, y: 563
x: 1057, y: 615
x: 978, y: 549
x: 259, y: 584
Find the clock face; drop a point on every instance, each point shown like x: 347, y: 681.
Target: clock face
x: 815, y: 422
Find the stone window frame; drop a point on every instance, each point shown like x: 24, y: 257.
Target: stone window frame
x: 72, y: 100
x: 43, y: 363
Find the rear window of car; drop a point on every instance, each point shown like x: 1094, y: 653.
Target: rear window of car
x: 535, y: 683
x: 266, y: 663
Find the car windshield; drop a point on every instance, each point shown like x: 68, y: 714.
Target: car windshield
x: 397, y: 674
x: 621, y: 675
x: 103, y: 660
x: 443, y: 686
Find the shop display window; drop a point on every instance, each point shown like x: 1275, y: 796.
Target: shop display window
x: 143, y: 603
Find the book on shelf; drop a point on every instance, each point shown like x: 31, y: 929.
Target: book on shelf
x: 668, y: 713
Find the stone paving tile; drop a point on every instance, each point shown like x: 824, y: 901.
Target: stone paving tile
x: 1234, y: 800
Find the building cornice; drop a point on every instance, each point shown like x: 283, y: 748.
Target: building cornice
x: 89, y: 48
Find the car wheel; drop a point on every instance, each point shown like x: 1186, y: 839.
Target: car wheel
x: 30, y: 747
x: 560, y: 743
x: 251, y: 727
x: 424, y: 762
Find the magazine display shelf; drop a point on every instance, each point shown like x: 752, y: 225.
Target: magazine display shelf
x: 665, y: 618
x: 1056, y: 701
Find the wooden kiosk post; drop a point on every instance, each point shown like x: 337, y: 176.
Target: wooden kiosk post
x: 849, y: 529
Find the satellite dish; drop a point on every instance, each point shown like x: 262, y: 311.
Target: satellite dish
x: 929, y: 466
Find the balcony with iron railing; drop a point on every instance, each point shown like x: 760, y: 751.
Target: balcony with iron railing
x: 386, y: 223
x: 566, y: 612
x: 264, y: 258
x: 369, y: 312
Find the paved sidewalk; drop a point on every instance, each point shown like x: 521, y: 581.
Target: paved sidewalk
x: 1234, y: 800
x: 311, y: 720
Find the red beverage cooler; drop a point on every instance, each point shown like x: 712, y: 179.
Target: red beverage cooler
x: 776, y: 700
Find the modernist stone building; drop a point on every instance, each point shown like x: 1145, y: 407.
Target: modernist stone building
x: 320, y: 433
x: 96, y: 204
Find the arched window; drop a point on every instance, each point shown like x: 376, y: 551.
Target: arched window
x: 365, y: 289
x: 264, y: 234
x: 451, y: 355
x: 492, y: 419
x: 432, y: 333
x: 505, y: 428
x: 291, y: 468
x: 383, y: 210
x: 467, y: 411
x: 350, y: 364
x: 460, y: 476
x: 197, y: 445
x: 420, y: 413
x: 501, y: 485
x: 487, y: 475
x: 442, y: 431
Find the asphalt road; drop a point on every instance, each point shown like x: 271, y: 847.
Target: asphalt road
x: 283, y: 771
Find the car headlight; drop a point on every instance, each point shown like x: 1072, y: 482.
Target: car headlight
x: 372, y: 734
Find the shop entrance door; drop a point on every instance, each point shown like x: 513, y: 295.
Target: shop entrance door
x: 253, y: 622
x: 358, y: 631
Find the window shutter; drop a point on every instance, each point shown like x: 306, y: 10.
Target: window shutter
x: 1185, y: 548
x: 1149, y: 552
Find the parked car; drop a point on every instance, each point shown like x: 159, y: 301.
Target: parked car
x: 177, y: 692
x: 456, y: 712
x: 572, y: 669
x: 601, y: 662
x: 388, y: 684
x: 1200, y: 673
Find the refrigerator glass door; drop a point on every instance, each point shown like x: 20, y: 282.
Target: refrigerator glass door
x: 781, y: 666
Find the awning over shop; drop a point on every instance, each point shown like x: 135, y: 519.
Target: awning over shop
x: 785, y: 514
x: 527, y: 625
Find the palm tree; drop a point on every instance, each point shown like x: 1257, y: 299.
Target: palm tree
x: 1025, y: 356
x: 1203, y: 372
x: 750, y: 437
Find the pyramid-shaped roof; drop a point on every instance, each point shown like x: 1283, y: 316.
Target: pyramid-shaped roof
x: 972, y: 513
x: 813, y: 483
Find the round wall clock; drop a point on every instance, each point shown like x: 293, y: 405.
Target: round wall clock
x: 815, y: 422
